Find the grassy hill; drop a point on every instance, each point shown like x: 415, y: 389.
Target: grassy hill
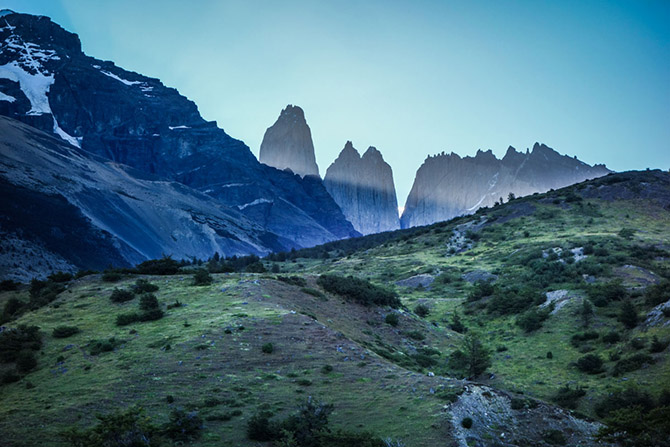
x: 263, y: 342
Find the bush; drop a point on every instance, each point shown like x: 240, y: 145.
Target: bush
x: 293, y: 280
x: 260, y: 428
x: 14, y: 341
x: 111, y: 276
x: 457, y: 325
x: 9, y: 376
x: 122, y: 428
x: 163, y: 266
x: 97, y: 347
x: 148, y: 301
x: 26, y: 361
x: 256, y: 267
x: 590, y: 364
x: 612, y: 337
x: 513, y: 300
x: 658, y: 345
x: 578, y: 339
x: 60, y: 277
x: 628, y: 314
x: 632, y: 363
x: 422, y: 310
x: 603, y: 294
x: 183, y: 426
x: 658, y: 293
x: 466, y: 422
x: 13, y: 308
x: 532, y: 319
x: 358, y: 290
x: 621, y: 399
x: 480, y: 290
x: 268, y: 348
x: 127, y: 318
x: 568, y: 397
x: 121, y: 296
x: 554, y: 437
x: 392, y: 319
x: 65, y: 331
x: 202, y: 278
x: 8, y: 285
x: 416, y: 335
x: 144, y: 286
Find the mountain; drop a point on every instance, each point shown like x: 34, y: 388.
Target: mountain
x: 447, y: 185
x: 363, y: 188
x: 287, y: 144
x: 65, y: 210
x: 46, y: 81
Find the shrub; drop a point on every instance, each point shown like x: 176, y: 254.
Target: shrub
x: 578, y: 339
x: 202, y: 278
x: 183, y: 426
x: 621, y: 399
x: 602, y: 294
x: 268, y: 348
x: 144, y: 286
x: 480, y: 290
x: 416, y: 335
x: 148, y: 301
x: 8, y: 285
x: 422, y: 310
x: 121, y: 295
x: 65, y: 331
x: 631, y: 363
x: 326, y: 369
x: 13, y: 308
x: 260, y: 428
x: 60, y: 277
x: 658, y: 345
x: 550, y: 355
x: 97, y: 347
x: 14, y: 341
x: 256, y: 267
x: 293, y: 280
x: 9, y: 376
x: 472, y: 358
x: 163, y: 266
x: 457, y: 325
x: 466, y: 422
x: 122, y: 428
x: 554, y: 437
x: 111, y: 276
x: 151, y: 315
x: 514, y: 300
x: 532, y: 319
x: 612, y: 337
x: 358, y: 290
x: 628, y: 314
x: 590, y: 364
x: 26, y: 361
x: 568, y: 397
x: 315, y: 293
x: 638, y: 343
x: 658, y: 293
x: 127, y: 318
x: 392, y: 319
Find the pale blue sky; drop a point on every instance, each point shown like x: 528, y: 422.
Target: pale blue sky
x: 588, y: 78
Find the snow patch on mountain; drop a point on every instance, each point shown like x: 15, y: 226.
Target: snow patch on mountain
x: 8, y: 98
x: 34, y: 86
x: 66, y: 136
x: 255, y: 202
x: 124, y: 81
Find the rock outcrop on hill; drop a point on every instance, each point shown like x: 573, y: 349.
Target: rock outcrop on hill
x: 287, y: 144
x: 46, y: 81
x: 447, y: 185
x: 363, y: 188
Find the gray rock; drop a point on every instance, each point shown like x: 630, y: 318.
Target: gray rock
x: 363, y: 188
x: 287, y: 144
x: 447, y: 185
x: 479, y: 275
x: 423, y: 280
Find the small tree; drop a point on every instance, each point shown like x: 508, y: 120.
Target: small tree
x: 586, y: 313
x: 510, y: 197
x: 422, y: 310
x: 628, y: 314
x: 457, y: 325
x: 473, y: 358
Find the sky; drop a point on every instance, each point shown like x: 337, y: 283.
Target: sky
x: 412, y: 78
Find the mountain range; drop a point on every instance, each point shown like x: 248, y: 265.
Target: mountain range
x: 114, y: 124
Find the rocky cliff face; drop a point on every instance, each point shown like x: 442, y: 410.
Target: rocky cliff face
x: 447, y: 185
x: 363, y: 188
x: 63, y: 209
x: 46, y: 81
x: 287, y: 144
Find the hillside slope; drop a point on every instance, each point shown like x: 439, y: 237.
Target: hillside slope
x: 605, y: 240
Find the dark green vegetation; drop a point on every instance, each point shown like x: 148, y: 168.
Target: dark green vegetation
x: 247, y: 349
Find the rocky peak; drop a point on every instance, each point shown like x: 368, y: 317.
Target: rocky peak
x: 288, y: 143
x: 363, y: 188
